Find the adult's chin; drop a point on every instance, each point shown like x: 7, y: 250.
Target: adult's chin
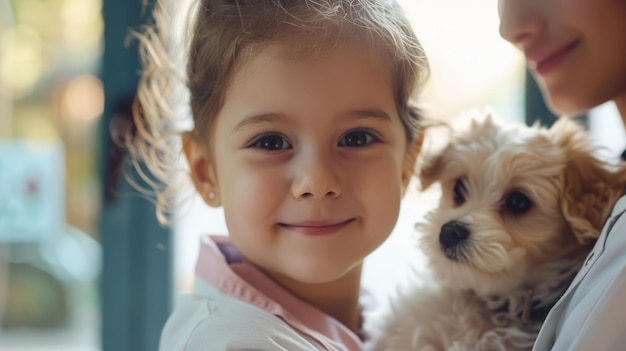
x: 568, y: 105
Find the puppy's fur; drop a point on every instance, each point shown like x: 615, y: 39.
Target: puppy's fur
x: 521, y: 207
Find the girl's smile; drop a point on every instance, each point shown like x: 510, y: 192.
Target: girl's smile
x: 317, y: 227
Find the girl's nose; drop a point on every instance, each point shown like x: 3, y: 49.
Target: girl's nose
x: 521, y: 21
x: 316, y: 178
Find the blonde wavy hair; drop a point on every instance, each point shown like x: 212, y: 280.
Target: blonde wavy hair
x: 223, y: 34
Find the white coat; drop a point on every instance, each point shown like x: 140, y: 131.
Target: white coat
x: 591, y: 315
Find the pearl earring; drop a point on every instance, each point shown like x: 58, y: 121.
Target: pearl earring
x: 211, y: 195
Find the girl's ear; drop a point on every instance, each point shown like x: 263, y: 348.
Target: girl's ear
x: 201, y: 169
x: 413, y: 151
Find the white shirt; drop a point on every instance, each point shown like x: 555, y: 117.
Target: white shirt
x: 591, y: 315
x: 236, y: 307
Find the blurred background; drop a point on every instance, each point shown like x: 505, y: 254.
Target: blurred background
x: 83, y: 263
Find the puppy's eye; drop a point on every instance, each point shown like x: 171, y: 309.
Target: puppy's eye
x: 458, y: 192
x: 518, y: 203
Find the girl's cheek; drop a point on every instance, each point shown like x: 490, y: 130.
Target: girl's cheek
x: 255, y: 186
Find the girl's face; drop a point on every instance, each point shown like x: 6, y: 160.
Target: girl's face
x: 307, y: 160
x: 576, y: 49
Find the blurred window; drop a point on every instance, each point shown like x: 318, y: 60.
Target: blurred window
x: 50, y: 105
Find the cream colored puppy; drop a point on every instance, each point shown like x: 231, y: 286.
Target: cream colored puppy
x: 520, y: 209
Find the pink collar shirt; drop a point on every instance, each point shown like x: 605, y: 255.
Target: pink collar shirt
x: 235, y: 306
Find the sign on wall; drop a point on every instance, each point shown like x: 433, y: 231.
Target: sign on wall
x: 32, y: 190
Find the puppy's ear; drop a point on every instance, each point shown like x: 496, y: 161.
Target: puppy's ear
x: 431, y: 163
x: 431, y: 169
x: 590, y: 186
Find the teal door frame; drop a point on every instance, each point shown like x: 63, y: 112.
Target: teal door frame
x: 535, y: 105
x: 536, y: 108
x: 136, y: 282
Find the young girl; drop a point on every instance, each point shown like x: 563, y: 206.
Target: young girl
x: 304, y: 133
x: 576, y: 50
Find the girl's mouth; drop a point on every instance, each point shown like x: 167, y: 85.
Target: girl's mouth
x: 316, y: 228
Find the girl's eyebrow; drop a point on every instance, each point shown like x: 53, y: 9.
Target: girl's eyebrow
x: 258, y: 119
x: 374, y: 113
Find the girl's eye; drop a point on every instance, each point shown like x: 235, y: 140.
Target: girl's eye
x: 458, y: 192
x: 271, y: 142
x: 357, y: 139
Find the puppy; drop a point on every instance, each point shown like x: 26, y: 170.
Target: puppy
x: 520, y: 209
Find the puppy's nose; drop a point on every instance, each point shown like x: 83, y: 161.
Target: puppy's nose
x: 452, y: 234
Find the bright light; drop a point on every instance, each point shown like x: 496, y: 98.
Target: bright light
x: 22, y: 64
x: 82, y: 27
x: 468, y: 57
x: 83, y: 99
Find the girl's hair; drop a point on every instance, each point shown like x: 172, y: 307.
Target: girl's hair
x: 226, y: 33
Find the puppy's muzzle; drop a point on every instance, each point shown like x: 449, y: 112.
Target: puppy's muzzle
x: 453, y: 234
